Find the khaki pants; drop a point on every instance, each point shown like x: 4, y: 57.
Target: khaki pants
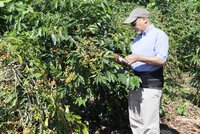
x: 144, y: 106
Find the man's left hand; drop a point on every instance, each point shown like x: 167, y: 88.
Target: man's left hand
x: 130, y: 59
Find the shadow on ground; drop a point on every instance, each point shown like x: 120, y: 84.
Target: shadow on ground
x: 165, y: 129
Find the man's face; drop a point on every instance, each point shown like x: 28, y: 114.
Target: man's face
x: 138, y: 25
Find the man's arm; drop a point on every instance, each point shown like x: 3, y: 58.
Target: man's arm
x: 153, y: 60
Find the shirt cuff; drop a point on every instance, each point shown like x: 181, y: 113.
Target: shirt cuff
x: 159, y: 55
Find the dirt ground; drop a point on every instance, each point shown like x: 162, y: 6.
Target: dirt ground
x: 173, y: 124
x: 189, y: 124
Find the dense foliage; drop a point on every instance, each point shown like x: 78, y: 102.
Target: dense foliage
x: 57, y: 71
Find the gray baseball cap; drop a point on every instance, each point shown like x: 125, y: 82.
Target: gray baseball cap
x: 138, y: 12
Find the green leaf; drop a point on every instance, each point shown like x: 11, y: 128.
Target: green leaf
x: 85, y: 130
x: 14, y: 101
x: 80, y: 101
x: 134, y: 81
x: 2, y: 93
x: 122, y: 78
x: 11, y: 100
x: 20, y: 59
x: 2, y: 3
x: 37, y: 75
x: 46, y: 123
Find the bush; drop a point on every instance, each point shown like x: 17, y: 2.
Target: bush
x: 60, y: 57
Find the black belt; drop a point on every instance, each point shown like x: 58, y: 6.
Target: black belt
x: 153, y: 79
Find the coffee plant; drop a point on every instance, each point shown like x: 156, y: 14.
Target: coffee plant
x: 57, y: 57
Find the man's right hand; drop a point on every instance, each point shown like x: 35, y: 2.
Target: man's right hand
x: 119, y: 59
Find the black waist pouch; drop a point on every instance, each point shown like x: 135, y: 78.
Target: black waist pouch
x: 151, y: 79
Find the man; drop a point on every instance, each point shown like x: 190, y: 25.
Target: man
x: 149, y: 54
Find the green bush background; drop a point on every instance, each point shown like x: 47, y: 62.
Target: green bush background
x: 59, y: 75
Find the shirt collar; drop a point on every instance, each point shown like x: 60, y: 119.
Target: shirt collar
x: 147, y: 30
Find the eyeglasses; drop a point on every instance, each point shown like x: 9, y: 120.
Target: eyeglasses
x: 134, y: 22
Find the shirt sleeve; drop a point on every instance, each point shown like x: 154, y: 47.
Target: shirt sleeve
x: 161, y: 46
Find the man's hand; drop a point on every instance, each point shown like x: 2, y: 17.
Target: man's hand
x: 130, y: 59
x: 119, y: 59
